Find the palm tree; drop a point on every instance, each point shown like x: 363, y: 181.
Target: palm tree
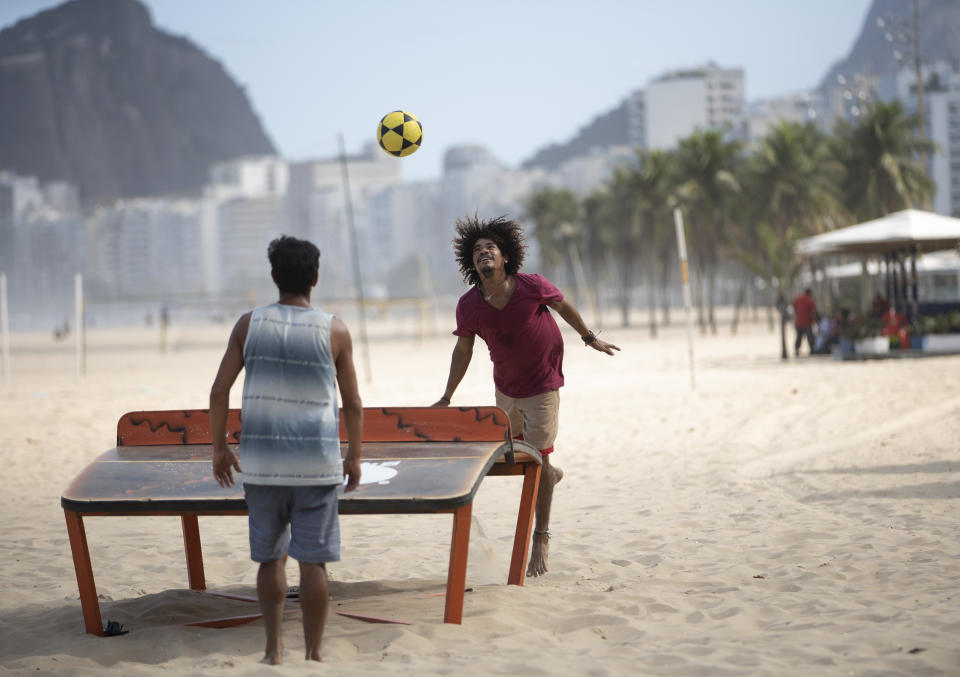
x: 882, y: 155
x: 623, y: 218
x: 553, y: 211
x: 598, y: 242
x: 707, y: 168
x: 792, y: 191
x: 653, y: 185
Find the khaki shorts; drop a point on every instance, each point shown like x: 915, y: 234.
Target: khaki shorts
x: 535, y: 419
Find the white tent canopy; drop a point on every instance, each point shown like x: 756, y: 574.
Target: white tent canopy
x: 899, y: 231
x: 936, y: 262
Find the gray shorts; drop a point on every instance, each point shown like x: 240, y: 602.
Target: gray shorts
x: 300, y: 520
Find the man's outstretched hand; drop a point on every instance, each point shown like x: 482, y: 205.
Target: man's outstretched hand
x: 603, y: 346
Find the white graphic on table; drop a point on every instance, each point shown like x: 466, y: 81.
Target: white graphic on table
x: 377, y: 472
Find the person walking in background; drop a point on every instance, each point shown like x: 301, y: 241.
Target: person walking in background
x: 509, y: 311
x: 804, y: 315
x: 294, y: 356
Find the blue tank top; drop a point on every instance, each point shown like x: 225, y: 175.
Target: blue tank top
x: 290, y: 416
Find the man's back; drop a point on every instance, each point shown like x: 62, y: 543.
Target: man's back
x: 290, y: 414
x: 803, y: 310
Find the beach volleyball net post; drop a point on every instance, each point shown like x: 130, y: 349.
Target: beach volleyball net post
x: 358, y: 279
x: 685, y: 276
x: 4, y: 329
x: 80, y: 324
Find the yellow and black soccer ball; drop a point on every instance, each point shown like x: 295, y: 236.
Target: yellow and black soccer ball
x: 399, y: 133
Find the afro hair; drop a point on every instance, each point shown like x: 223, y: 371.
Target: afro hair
x: 507, y: 234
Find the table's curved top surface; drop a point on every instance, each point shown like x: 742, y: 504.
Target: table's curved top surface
x: 429, y: 468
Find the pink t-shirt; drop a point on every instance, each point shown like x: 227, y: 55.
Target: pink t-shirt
x: 525, y: 344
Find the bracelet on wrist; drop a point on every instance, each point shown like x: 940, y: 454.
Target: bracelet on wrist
x: 588, y: 338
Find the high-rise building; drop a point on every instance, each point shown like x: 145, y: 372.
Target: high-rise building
x: 40, y: 249
x: 244, y: 207
x: 637, y: 119
x: 802, y: 107
x: 147, y: 248
x: 317, y: 209
x: 941, y: 99
x: 847, y: 97
x: 682, y: 101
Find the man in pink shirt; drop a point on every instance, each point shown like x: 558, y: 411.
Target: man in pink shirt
x: 509, y: 311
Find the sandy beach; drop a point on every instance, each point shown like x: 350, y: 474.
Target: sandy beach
x: 798, y: 518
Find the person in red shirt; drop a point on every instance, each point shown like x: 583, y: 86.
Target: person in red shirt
x: 895, y: 324
x: 804, y: 314
x: 509, y: 310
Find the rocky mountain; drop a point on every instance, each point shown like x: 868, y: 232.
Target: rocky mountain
x: 607, y: 129
x: 871, y: 54
x: 874, y: 54
x: 91, y: 92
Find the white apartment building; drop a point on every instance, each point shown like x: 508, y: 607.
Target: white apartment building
x: 847, y: 96
x: 637, y: 119
x: 586, y: 173
x: 238, y: 215
x: 316, y: 209
x: 40, y: 256
x: 371, y: 167
x: 40, y: 248
x: 145, y: 248
x: 21, y: 193
x: 941, y: 102
x: 682, y: 101
x: 251, y: 176
x: 409, y: 245
x: 245, y: 227
x: 802, y: 107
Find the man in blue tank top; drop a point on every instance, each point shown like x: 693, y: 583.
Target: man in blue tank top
x: 294, y: 357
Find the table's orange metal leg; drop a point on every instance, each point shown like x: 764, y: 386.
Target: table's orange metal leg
x: 191, y: 546
x: 521, y: 539
x: 457, y: 571
x: 85, y: 583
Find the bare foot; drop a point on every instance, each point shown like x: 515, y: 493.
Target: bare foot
x: 273, y: 658
x: 541, y: 538
x: 538, y: 554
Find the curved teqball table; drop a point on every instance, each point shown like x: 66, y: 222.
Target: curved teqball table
x: 419, y: 459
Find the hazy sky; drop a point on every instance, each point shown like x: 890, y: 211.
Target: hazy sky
x: 512, y: 75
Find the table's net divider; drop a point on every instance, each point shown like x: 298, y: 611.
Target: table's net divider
x: 380, y: 424
x: 433, y: 424
x: 186, y: 426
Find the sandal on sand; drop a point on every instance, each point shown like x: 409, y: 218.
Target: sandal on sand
x: 113, y: 628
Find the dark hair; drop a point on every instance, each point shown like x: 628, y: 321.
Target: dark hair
x: 293, y: 263
x: 507, y: 234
